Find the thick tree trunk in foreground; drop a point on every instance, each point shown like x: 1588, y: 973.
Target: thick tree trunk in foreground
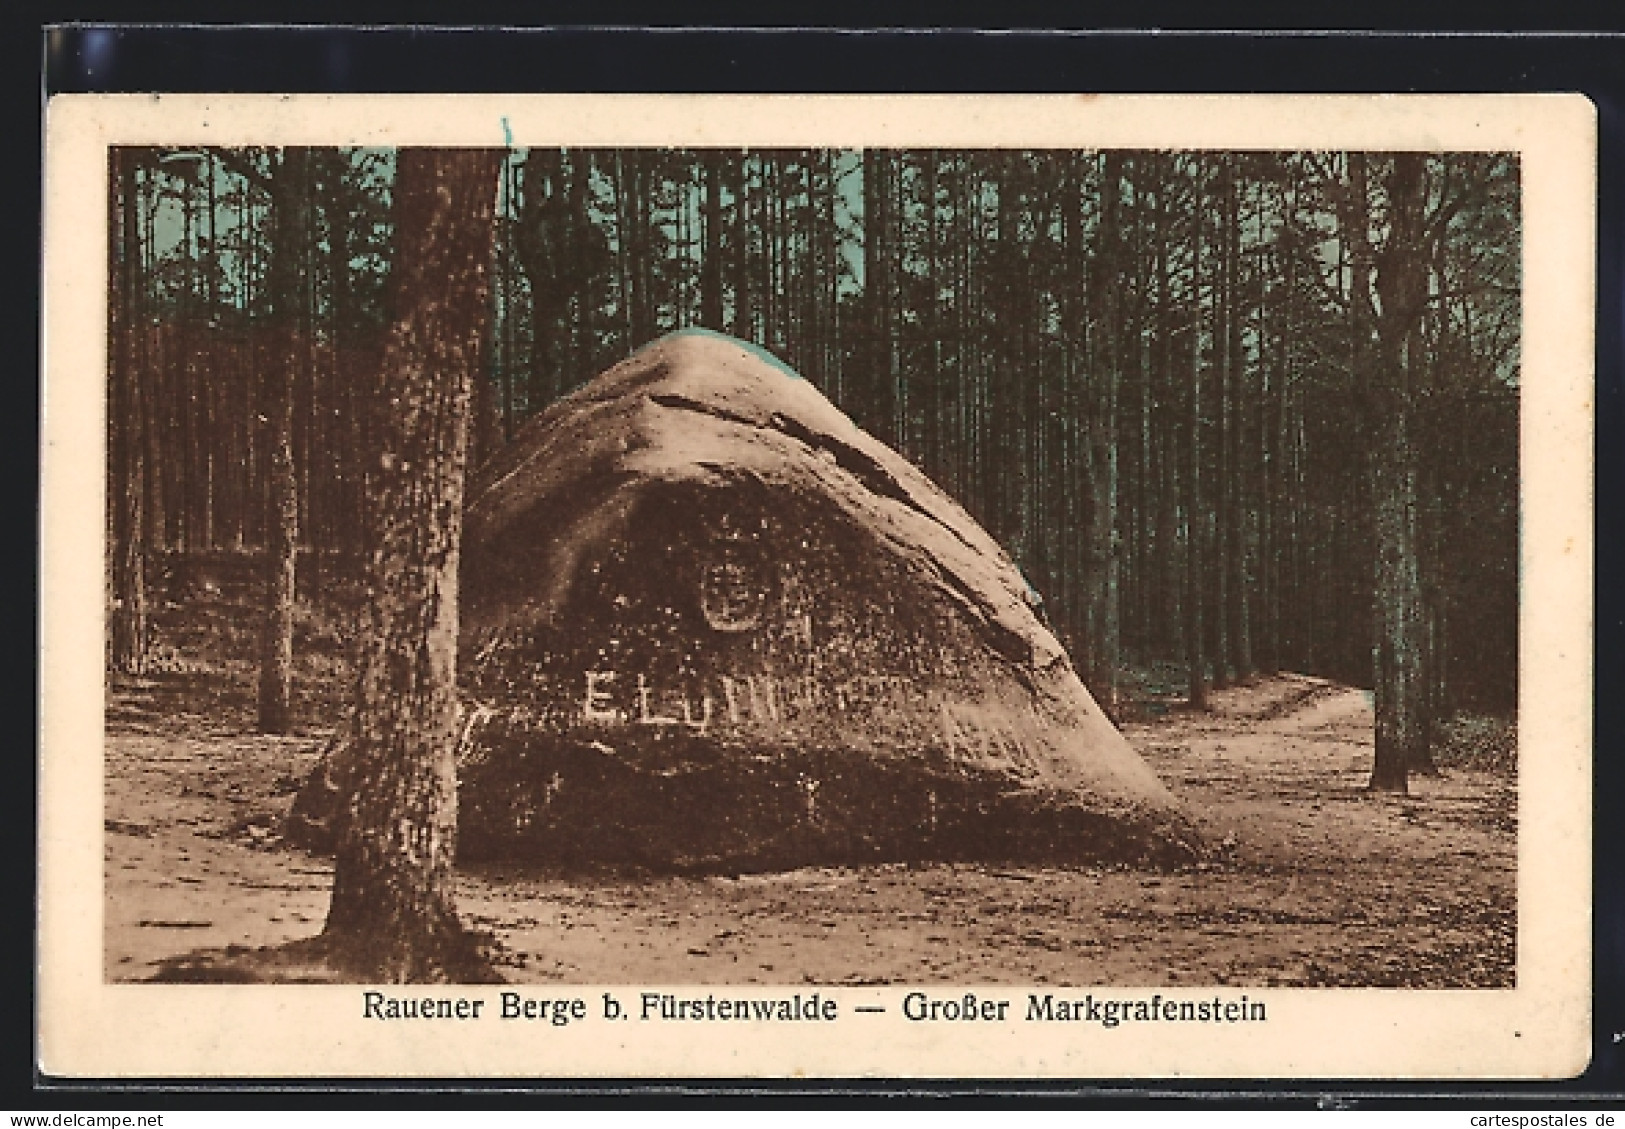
x: 393, y: 915
x: 1399, y: 608
x: 1397, y: 272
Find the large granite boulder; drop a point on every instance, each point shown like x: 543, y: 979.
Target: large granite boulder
x: 709, y: 623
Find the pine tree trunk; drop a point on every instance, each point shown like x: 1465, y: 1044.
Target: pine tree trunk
x: 742, y: 318
x: 1400, y: 626
x: 1432, y: 594
x: 506, y: 256
x: 1223, y: 311
x: 891, y: 194
x: 1196, y: 525
x: 1238, y: 506
x: 1398, y: 273
x: 291, y: 231
x: 1105, y: 563
x: 772, y: 290
x: 393, y: 913
x: 1143, y: 516
x: 1165, y: 577
x: 1272, y: 357
x: 931, y: 319
x: 643, y: 322
x: 148, y: 364
x: 1196, y: 676
x: 711, y: 262
x: 126, y: 492
x: 276, y: 640
x: 878, y: 411
x: 834, y: 330
x: 623, y: 251
x: 581, y: 235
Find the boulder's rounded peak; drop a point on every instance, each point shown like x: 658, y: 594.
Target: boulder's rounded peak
x: 705, y: 369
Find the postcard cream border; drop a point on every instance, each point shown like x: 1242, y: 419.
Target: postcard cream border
x: 1540, y: 1029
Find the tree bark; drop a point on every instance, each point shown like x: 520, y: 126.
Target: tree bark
x: 638, y: 246
x: 540, y: 235
x: 393, y: 913
x: 739, y: 183
x: 581, y: 249
x: 1399, y: 608
x: 1396, y: 275
x: 1104, y: 556
x: 711, y: 258
x: 1238, y: 508
x: 290, y: 219
x: 1164, y: 577
x: 126, y: 491
x: 1196, y: 516
x: 154, y: 427
x: 888, y: 405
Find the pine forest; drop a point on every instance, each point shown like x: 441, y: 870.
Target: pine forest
x: 1230, y: 412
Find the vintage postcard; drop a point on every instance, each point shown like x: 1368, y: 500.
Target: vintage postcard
x: 930, y: 587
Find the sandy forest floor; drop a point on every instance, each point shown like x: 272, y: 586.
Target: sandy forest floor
x: 1314, y: 881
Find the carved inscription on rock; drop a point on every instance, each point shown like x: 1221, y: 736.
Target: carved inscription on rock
x: 778, y: 705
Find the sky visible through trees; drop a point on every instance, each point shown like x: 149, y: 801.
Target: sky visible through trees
x: 1230, y: 412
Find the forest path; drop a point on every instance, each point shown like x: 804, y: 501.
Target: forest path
x: 1314, y: 882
